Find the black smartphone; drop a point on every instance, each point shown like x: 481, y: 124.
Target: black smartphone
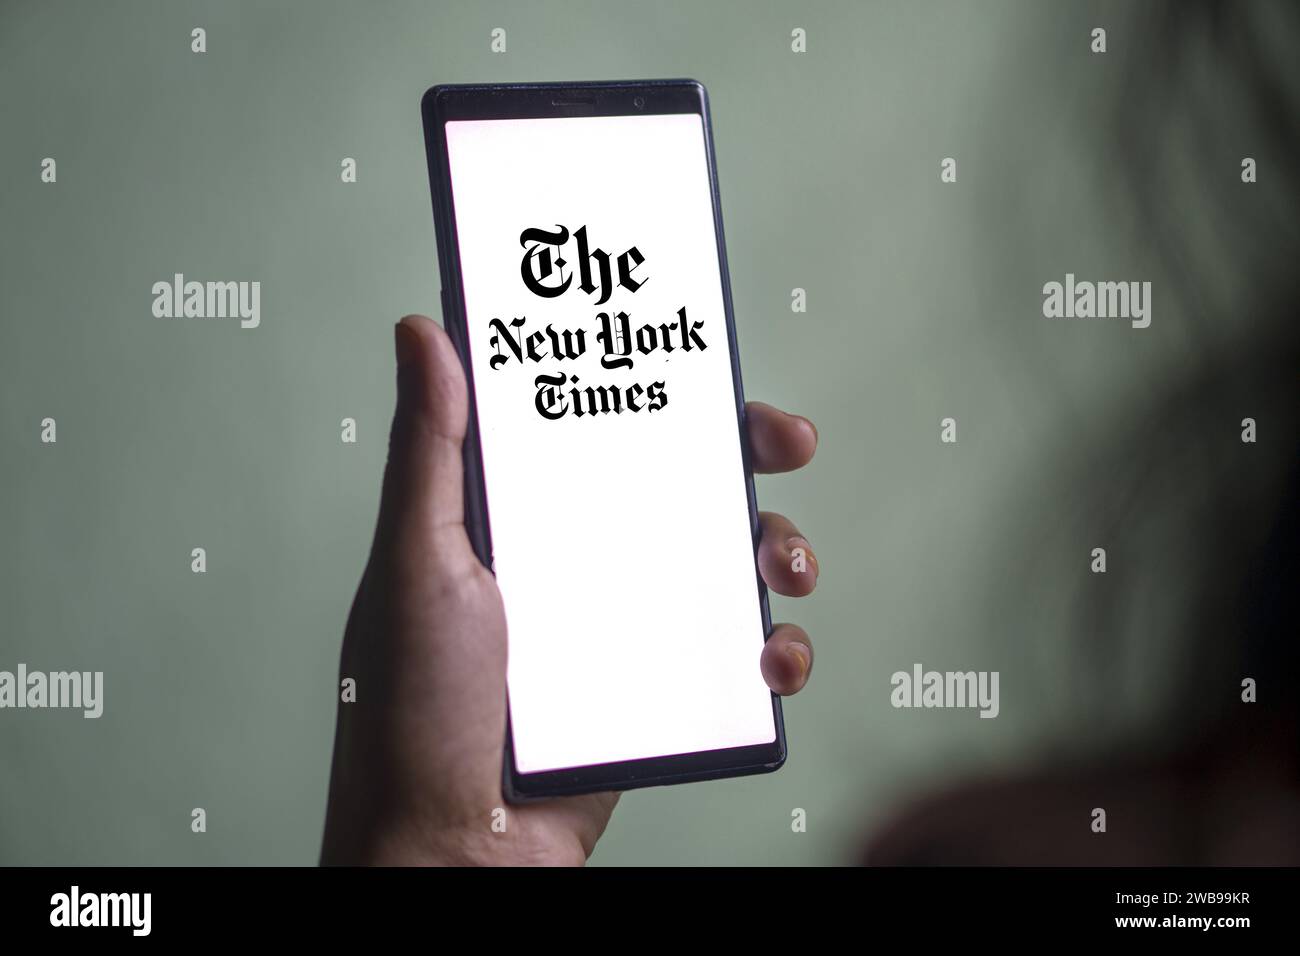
x: 608, y: 483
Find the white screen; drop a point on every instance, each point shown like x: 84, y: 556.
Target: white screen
x: 621, y: 540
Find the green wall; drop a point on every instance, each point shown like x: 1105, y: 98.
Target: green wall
x: 924, y: 301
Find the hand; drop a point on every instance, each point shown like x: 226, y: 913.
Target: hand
x: 417, y: 756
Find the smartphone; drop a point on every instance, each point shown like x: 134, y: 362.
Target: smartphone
x: 608, y: 484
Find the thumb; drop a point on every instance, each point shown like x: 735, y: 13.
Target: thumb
x: 424, y: 479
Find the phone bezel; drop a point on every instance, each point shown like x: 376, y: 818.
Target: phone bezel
x: 449, y: 102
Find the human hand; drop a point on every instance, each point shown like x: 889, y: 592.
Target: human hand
x: 418, y: 754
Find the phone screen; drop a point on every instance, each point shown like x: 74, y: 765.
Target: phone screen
x: 615, y: 487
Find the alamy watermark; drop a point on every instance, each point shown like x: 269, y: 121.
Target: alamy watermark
x: 76, y: 690
x: 922, y: 688
x: 179, y: 299
x: 1082, y: 299
x: 75, y: 908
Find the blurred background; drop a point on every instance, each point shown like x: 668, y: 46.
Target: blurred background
x: 923, y: 302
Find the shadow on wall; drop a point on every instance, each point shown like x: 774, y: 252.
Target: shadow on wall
x: 1216, y: 781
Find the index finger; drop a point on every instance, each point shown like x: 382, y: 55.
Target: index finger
x: 778, y: 441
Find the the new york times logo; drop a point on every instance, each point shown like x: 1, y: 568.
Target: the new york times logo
x: 544, y: 274
x: 75, y: 909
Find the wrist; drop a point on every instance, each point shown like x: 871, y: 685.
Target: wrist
x: 409, y: 843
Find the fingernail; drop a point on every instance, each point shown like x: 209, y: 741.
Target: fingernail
x: 406, y: 343
x: 800, y: 542
x: 802, y: 655
x: 811, y: 427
